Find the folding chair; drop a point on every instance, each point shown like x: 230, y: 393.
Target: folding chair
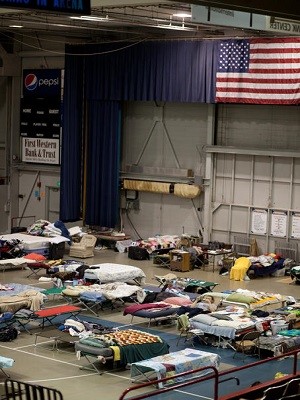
x: 163, y: 279
x: 292, y: 388
x: 249, y: 344
x: 187, y: 332
x: 274, y: 392
x: 18, y: 390
x: 162, y: 259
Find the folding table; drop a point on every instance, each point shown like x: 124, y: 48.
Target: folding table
x: 215, y: 253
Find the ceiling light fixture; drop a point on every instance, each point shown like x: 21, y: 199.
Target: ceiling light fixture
x: 90, y: 18
x: 15, y: 26
x: 174, y: 27
x: 182, y: 15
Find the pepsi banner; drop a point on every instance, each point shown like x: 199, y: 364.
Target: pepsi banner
x: 42, y: 83
x: 40, y: 116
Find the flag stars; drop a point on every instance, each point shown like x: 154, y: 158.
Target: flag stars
x: 234, y: 56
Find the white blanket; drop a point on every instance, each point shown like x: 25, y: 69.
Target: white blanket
x: 110, y: 272
x: 110, y: 291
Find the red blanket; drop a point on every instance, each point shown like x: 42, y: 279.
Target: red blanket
x: 136, y: 307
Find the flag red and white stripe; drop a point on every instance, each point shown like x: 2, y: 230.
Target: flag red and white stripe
x: 269, y: 73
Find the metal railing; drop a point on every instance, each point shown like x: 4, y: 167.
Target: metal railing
x: 213, y: 377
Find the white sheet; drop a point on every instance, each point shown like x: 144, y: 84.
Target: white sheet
x: 221, y: 327
x: 110, y: 291
x: 16, y: 261
x: 31, y: 240
x: 110, y: 272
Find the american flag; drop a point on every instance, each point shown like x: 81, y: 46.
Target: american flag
x: 259, y: 71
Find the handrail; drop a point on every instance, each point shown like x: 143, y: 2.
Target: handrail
x: 215, y: 375
x: 175, y: 386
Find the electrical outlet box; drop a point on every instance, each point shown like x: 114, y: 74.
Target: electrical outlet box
x: 136, y: 204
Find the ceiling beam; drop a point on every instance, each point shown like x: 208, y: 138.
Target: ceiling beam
x: 124, y: 3
x: 289, y: 9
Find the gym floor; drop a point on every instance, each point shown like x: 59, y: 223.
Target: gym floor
x: 60, y: 369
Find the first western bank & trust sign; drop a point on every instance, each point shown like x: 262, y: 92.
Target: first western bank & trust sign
x: 45, y: 151
x: 82, y: 7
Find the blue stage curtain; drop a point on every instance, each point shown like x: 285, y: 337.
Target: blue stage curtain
x: 175, y: 71
x: 71, y: 152
x: 103, y: 162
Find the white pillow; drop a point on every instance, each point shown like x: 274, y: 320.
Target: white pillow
x: 204, y: 319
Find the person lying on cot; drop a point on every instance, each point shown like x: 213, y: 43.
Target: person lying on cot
x: 206, y: 303
x: 202, y: 305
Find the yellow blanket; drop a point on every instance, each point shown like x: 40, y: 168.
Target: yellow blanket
x: 240, y: 268
x: 116, y: 351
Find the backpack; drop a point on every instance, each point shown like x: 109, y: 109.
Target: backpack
x: 8, y: 334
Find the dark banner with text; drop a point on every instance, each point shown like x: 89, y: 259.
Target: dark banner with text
x: 40, y: 130
x: 82, y: 7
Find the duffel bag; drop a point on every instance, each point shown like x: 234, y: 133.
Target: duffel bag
x: 138, y: 253
x: 8, y: 334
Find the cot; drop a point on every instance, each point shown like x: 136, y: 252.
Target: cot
x: 111, y: 272
x: 122, y: 347
x: 6, y: 362
x: 33, y: 243
x: 95, y: 295
x: 179, y: 361
x: 14, y: 296
x: 49, y: 314
x: 224, y: 330
x: 156, y: 312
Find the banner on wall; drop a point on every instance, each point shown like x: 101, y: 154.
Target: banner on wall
x: 40, y: 116
x: 279, y: 223
x: 45, y: 151
x: 259, y: 219
x: 295, y: 229
x: 81, y: 7
x: 42, y: 83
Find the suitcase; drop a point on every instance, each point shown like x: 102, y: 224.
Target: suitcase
x: 56, y: 251
x: 138, y: 253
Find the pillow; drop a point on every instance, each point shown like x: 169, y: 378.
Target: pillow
x: 69, y: 291
x: 222, y: 295
x: 35, y: 256
x: 225, y: 317
x: 204, y: 319
x: 178, y: 301
x: 240, y: 298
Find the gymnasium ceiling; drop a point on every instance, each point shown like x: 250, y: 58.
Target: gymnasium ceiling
x: 114, y: 20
